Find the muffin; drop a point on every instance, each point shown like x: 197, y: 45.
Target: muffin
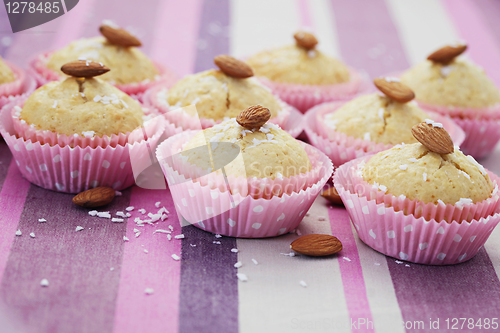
x: 13, y: 83
x: 369, y: 123
x: 209, y: 97
x: 243, y: 177
x: 78, y: 133
x: 132, y: 71
x: 6, y: 74
x: 461, y: 90
x: 425, y: 202
x: 303, y: 76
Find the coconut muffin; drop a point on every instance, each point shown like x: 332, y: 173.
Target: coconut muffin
x: 376, y: 118
x: 6, y: 74
x: 83, y: 106
x: 300, y: 63
x: 267, y: 151
x: 458, y: 83
x: 218, y: 95
x: 295, y: 64
x: 128, y: 64
x: 417, y: 173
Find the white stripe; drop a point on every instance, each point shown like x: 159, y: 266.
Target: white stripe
x: 324, y: 26
x: 261, y: 24
x: 423, y: 26
x: 273, y: 299
x: 379, y: 289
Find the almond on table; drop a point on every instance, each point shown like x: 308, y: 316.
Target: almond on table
x: 316, y: 245
x: 95, y: 197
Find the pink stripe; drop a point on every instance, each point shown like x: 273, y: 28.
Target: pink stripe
x: 305, y: 14
x: 351, y: 271
x: 73, y: 22
x: 136, y: 311
x: 483, y: 46
x: 176, y: 33
x: 12, y: 198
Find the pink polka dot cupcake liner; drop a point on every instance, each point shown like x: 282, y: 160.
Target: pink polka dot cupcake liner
x: 22, y: 86
x: 303, y: 97
x: 341, y: 148
x: 412, y: 230
x: 238, y: 206
x: 481, y: 126
x: 187, y: 118
x: 78, y: 164
x: 44, y: 75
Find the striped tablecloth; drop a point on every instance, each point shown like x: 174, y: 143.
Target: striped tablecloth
x: 97, y: 281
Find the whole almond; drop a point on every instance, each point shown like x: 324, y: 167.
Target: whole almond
x: 253, y: 117
x: 95, y: 197
x: 316, y: 245
x: 233, y: 67
x: 84, y: 68
x: 333, y: 196
x: 305, y: 40
x: 119, y: 36
x: 446, y: 54
x: 435, y: 138
x: 395, y: 90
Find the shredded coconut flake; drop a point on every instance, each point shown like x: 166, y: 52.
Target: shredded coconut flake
x: 424, y: 176
x: 130, y: 208
x: 463, y: 201
x: 125, y: 239
x: 18, y: 233
x: 106, y: 215
x: 149, y: 291
x: 367, y: 136
x: 413, y: 159
x: 238, y: 264
x: 235, y: 250
x: 44, y: 283
x: 255, y: 261
x: 162, y: 231
x: 78, y: 228
x: 32, y: 235
x: 181, y: 236
x: 117, y: 220
x: 403, y: 166
x: 43, y: 220
x: 176, y: 257
x: 91, y: 213
x: 303, y: 283
x: 242, y: 277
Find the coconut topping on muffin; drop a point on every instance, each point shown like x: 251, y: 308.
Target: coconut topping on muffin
x: 450, y: 81
x: 82, y: 105
x: 378, y: 118
x: 266, y: 151
x: 301, y: 63
x: 218, y: 95
x: 416, y: 171
x: 129, y: 64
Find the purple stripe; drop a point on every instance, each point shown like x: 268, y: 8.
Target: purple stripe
x: 490, y: 10
x: 209, y: 287
x: 468, y: 290
x: 83, y: 288
x: 211, y: 43
x: 5, y: 158
x: 367, y: 36
x: 369, y: 41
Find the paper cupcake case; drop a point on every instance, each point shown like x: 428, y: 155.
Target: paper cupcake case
x: 481, y: 126
x: 72, y: 169
x: 22, y: 86
x: 386, y: 223
x: 44, y: 75
x: 207, y: 204
x: 304, y: 97
x: 288, y: 118
x: 341, y: 148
